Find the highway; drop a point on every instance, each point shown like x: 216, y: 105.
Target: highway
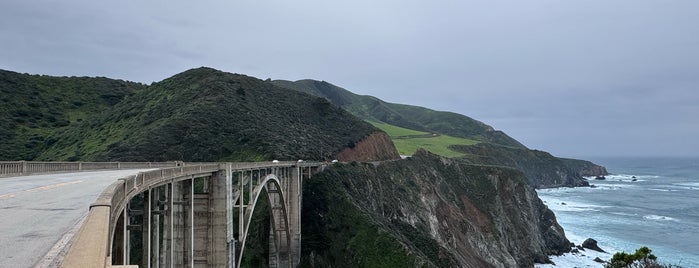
x: 40, y: 213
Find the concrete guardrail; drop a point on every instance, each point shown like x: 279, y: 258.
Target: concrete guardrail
x: 20, y: 168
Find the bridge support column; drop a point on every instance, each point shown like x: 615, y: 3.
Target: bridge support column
x: 158, y: 213
x: 294, y: 202
x: 146, y: 228
x: 219, y: 209
x: 182, y: 228
x: 126, y: 236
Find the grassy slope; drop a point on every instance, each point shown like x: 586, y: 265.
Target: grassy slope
x: 407, y: 141
x: 34, y: 108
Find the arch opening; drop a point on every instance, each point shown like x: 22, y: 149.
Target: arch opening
x: 278, y: 235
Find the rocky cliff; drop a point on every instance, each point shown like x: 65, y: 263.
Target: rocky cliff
x: 426, y: 211
x: 585, y: 168
x: 375, y: 147
x: 542, y: 169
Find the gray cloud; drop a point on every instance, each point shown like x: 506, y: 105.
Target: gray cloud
x: 571, y: 77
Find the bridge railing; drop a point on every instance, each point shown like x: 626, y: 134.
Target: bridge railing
x: 19, y: 168
x: 92, y: 245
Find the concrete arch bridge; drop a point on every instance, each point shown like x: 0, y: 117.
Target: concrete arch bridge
x: 193, y: 215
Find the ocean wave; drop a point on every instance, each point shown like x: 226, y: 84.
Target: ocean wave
x: 659, y: 218
x: 624, y: 214
x: 688, y: 185
x: 625, y: 177
x: 611, y: 186
x: 662, y: 190
x: 569, y: 206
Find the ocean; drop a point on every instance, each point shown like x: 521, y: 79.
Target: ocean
x: 651, y: 202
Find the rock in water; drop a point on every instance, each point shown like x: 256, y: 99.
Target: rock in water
x: 599, y: 260
x: 600, y: 178
x: 592, y: 244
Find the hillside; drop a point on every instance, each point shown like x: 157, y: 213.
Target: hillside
x: 541, y: 168
x: 406, y: 116
x: 34, y: 108
x: 426, y: 211
x: 198, y: 115
x: 452, y: 135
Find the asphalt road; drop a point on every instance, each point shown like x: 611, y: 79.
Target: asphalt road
x: 40, y: 211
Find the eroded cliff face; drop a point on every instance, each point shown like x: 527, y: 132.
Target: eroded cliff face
x: 426, y: 211
x: 542, y: 169
x: 376, y: 147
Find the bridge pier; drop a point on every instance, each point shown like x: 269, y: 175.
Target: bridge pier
x: 219, y: 211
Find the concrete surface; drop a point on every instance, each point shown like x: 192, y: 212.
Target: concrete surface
x: 38, y: 211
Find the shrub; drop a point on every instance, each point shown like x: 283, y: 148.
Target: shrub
x: 641, y: 259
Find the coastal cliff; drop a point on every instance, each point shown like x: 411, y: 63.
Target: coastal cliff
x: 542, y: 169
x: 375, y: 147
x: 585, y: 168
x: 426, y: 211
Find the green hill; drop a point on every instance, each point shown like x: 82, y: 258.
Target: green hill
x: 34, y: 108
x: 405, y: 116
x: 198, y: 115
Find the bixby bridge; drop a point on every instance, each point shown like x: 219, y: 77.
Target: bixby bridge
x: 176, y: 214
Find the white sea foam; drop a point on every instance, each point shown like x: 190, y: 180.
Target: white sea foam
x: 659, y: 218
x: 662, y: 190
x: 625, y: 177
x: 583, y: 259
x: 624, y: 214
x: 611, y: 186
x: 556, y: 204
x: 687, y: 185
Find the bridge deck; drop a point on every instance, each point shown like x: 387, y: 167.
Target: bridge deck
x: 37, y: 211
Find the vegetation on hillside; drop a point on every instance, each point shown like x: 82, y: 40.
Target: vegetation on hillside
x: 198, y: 115
x: 642, y: 258
x: 34, y: 108
x: 405, y: 116
x: 407, y: 141
x: 541, y: 168
x: 452, y: 135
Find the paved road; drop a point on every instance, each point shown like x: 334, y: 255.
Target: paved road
x: 40, y: 211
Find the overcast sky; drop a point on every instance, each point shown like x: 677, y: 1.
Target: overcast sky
x: 575, y: 78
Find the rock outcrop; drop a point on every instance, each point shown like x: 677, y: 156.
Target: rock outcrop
x: 584, y: 168
x: 542, y: 169
x: 592, y: 244
x: 376, y: 147
x: 426, y: 211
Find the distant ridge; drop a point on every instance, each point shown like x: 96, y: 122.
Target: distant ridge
x: 406, y: 116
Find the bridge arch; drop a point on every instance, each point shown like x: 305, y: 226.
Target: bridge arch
x: 271, y: 185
